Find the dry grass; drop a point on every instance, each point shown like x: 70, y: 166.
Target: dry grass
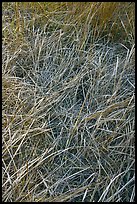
x: 68, y: 102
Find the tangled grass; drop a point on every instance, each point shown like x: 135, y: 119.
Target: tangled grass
x: 68, y: 103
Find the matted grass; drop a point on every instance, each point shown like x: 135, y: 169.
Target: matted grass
x: 68, y: 102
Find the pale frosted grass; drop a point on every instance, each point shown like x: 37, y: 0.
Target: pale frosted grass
x: 50, y: 151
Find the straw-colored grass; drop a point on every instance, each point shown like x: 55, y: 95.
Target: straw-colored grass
x: 68, y: 102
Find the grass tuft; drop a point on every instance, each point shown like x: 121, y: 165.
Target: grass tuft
x: 68, y: 102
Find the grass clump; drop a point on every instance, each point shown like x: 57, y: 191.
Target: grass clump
x: 68, y: 102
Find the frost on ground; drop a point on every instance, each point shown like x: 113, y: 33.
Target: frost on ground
x: 68, y: 119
